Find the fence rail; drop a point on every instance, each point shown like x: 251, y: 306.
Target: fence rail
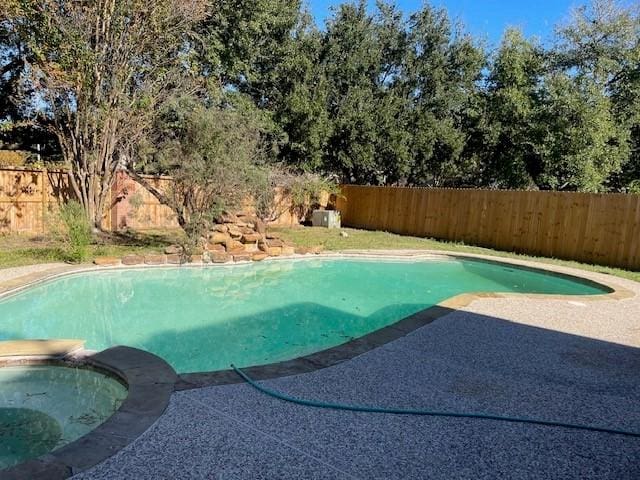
x: 595, y: 228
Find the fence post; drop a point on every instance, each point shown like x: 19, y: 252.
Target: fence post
x: 44, y: 178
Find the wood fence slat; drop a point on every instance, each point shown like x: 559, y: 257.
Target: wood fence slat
x: 595, y: 228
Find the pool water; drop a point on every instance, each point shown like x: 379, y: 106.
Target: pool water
x: 43, y: 408
x: 203, y: 319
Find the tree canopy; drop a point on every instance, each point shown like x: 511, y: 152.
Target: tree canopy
x: 374, y: 97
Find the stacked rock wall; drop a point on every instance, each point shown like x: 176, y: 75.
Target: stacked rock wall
x: 242, y: 237
x: 235, y: 238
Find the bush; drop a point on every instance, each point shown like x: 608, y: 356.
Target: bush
x: 301, y: 194
x: 634, y: 187
x: 12, y: 158
x: 76, y: 231
x: 216, y: 159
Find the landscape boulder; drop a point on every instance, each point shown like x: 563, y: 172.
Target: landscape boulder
x: 106, y: 261
x: 155, y: 259
x: 132, y: 259
x: 219, y: 257
x: 218, y: 237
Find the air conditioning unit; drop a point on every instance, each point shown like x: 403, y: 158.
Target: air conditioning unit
x: 326, y: 218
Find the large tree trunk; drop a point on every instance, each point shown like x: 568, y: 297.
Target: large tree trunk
x: 90, y: 178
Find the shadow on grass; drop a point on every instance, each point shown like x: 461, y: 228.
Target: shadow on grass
x: 144, y: 239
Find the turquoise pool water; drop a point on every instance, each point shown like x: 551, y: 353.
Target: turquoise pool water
x: 43, y: 408
x: 203, y: 319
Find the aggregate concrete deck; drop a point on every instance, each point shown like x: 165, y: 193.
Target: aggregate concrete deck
x: 563, y: 360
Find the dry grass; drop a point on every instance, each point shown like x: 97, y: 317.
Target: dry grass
x: 19, y: 250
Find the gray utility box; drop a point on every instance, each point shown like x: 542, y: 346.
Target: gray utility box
x: 326, y: 218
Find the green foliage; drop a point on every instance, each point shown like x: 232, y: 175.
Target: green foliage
x: 552, y: 122
x: 582, y: 145
x: 375, y: 97
x: 288, y: 191
x: 301, y: 111
x: 598, y: 52
x: 443, y: 67
x: 76, y: 231
x: 215, y: 157
x: 94, y: 73
x: 11, y: 158
x: 634, y: 187
x: 513, y: 100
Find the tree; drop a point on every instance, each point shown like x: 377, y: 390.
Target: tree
x: 599, y: 50
x: 301, y: 111
x: 214, y: 157
x: 367, y: 109
x: 100, y: 69
x: 242, y: 44
x: 12, y: 66
x: 392, y: 105
x: 581, y: 144
x: 18, y: 130
x: 514, y: 98
x: 351, y: 62
x: 443, y: 67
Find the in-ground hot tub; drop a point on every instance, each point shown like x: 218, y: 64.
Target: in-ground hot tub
x: 63, y: 409
x: 44, y: 407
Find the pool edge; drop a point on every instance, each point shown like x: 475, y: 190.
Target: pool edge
x: 18, y: 284
x: 346, y: 351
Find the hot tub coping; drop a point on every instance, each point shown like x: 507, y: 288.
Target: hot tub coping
x: 149, y: 381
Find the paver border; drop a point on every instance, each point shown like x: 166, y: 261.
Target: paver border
x: 346, y: 351
x: 150, y: 382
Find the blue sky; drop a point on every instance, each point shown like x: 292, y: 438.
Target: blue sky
x: 485, y: 18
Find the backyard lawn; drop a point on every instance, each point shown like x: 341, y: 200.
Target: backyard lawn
x: 17, y: 250
x: 364, y: 239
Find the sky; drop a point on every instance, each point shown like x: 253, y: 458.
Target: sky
x: 485, y: 18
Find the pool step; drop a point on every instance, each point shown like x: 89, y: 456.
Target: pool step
x: 49, y: 348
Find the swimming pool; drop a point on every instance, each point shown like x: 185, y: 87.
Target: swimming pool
x: 203, y: 319
x: 46, y: 407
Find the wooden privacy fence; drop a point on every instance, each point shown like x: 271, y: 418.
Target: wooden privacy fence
x: 594, y: 228
x: 29, y: 199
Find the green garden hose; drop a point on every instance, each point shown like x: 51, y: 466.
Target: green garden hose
x: 401, y: 411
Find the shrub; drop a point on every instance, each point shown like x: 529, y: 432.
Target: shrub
x: 301, y: 193
x: 634, y: 187
x: 215, y: 157
x: 12, y: 158
x: 76, y: 231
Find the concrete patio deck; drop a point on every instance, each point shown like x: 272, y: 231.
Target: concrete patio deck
x: 564, y: 360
